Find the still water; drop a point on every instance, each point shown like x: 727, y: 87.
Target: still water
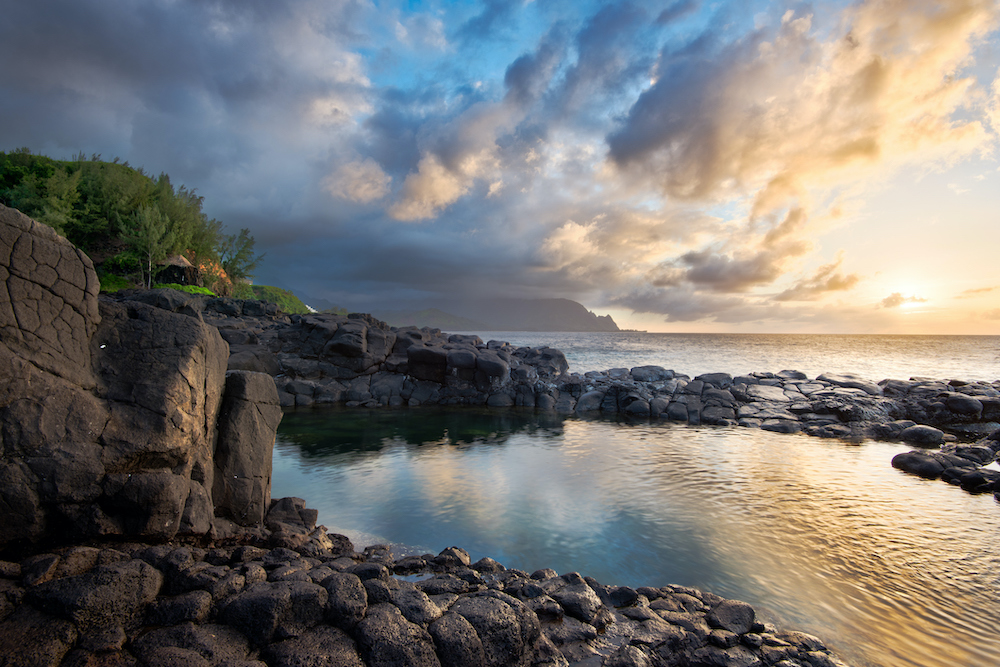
x: 821, y: 536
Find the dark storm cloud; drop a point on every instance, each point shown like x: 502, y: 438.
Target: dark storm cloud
x: 678, y: 304
x: 676, y: 128
x: 529, y: 76
x: 610, y: 59
x: 725, y: 273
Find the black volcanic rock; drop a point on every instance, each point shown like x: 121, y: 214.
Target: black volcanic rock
x: 108, y: 407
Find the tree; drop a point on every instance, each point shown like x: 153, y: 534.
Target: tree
x: 236, y: 256
x: 150, y: 237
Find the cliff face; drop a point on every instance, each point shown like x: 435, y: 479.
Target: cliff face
x: 110, y: 412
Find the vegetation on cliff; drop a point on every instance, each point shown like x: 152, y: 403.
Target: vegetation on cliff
x: 287, y: 302
x: 126, y: 220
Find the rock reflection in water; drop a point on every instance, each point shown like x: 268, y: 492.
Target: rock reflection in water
x: 825, y: 536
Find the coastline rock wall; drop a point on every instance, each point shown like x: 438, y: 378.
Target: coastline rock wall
x: 358, y: 360
x: 108, y: 410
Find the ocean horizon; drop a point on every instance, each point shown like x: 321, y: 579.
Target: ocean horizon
x: 873, y: 357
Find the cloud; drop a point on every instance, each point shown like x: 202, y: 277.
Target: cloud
x: 793, y: 107
x: 679, y: 157
x: 826, y: 279
x: 361, y: 181
x: 530, y: 74
x: 492, y: 22
x: 896, y: 299
x: 677, y: 10
x: 678, y: 304
x: 430, y: 189
x: 992, y: 314
x: 971, y: 293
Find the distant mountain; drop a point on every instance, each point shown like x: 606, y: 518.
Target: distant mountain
x: 525, y: 315
x: 493, y: 315
x: 429, y: 317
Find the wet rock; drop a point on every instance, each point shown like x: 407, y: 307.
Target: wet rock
x: 966, y: 406
x: 922, y: 435
x: 918, y: 463
x: 760, y: 392
x: 852, y: 382
x: 732, y: 615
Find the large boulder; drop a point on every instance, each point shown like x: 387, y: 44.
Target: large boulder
x: 162, y: 375
x: 108, y: 408
x: 48, y: 299
x: 248, y: 420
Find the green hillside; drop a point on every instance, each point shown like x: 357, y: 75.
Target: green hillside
x: 126, y: 220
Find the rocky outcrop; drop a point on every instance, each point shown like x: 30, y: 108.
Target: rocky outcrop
x: 322, y: 603
x: 358, y: 360
x: 108, y: 409
x: 248, y: 420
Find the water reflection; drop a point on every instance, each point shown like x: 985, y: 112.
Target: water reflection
x: 821, y: 535
x: 328, y: 432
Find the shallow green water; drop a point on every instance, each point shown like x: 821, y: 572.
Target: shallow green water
x: 821, y: 536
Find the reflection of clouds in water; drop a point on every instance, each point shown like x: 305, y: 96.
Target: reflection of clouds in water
x: 822, y: 536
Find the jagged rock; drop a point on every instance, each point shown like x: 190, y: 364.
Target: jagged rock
x: 732, y: 615
x: 851, y: 382
x: 651, y: 374
x: 547, y: 361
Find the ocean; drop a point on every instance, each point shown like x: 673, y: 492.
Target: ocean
x: 873, y: 357
x: 822, y: 536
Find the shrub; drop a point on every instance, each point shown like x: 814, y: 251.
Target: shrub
x: 190, y: 289
x: 111, y: 283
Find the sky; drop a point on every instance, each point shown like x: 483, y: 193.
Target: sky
x: 683, y: 165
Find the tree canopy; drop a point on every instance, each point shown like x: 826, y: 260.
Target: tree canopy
x: 121, y: 214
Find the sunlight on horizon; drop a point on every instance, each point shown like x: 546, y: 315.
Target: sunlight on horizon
x: 759, y: 166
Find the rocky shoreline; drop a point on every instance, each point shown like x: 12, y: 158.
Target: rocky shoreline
x: 135, y: 486
x: 361, y: 362
x: 294, y: 595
